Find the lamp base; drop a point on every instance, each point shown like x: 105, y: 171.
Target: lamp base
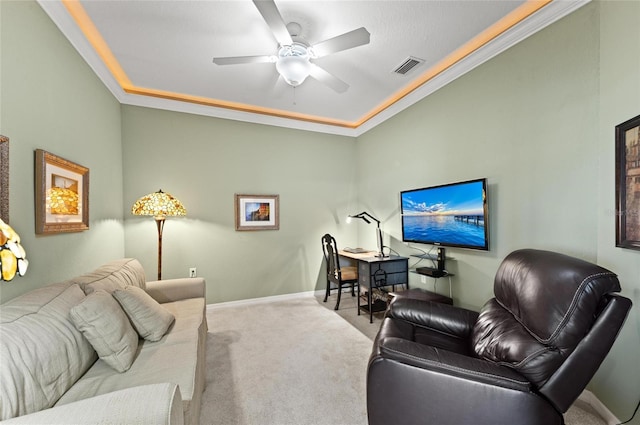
x: 160, y: 224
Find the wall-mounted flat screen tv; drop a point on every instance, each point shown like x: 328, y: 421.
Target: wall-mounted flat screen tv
x: 454, y: 214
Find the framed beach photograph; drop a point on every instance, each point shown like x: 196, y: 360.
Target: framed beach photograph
x: 62, y: 195
x: 628, y: 184
x: 4, y: 178
x: 257, y: 212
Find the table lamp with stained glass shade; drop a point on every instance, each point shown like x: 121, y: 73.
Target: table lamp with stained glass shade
x: 159, y: 205
x: 13, y: 258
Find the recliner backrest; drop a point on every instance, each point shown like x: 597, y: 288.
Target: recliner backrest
x: 545, y: 303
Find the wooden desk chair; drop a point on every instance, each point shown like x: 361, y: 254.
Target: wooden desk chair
x: 335, y: 274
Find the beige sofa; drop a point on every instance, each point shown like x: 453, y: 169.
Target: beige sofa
x: 50, y: 371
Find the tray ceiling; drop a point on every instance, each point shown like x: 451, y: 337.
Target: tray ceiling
x: 160, y: 53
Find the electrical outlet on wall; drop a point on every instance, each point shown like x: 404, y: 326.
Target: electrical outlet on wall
x: 423, y: 279
x: 193, y: 272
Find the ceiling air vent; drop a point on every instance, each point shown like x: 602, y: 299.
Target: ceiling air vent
x: 408, y: 65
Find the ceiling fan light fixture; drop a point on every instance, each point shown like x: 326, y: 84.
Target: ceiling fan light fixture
x: 293, y: 61
x: 294, y: 69
x: 293, y: 64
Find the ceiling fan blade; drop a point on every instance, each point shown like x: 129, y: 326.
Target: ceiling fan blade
x: 345, y: 41
x: 328, y: 79
x: 234, y: 60
x: 272, y: 17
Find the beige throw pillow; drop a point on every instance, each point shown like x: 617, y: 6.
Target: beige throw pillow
x: 102, y: 321
x: 148, y: 317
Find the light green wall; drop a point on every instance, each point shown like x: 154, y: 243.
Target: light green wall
x: 537, y: 121
x: 527, y: 121
x: 50, y: 99
x: 203, y: 162
x: 617, y: 384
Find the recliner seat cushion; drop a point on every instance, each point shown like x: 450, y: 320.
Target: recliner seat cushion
x: 531, y: 328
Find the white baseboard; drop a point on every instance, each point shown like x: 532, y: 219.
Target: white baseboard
x: 264, y: 300
x: 589, y: 398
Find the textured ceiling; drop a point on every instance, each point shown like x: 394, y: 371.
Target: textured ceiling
x: 159, y: 53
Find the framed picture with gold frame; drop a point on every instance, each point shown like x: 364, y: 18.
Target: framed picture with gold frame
x: 257, y: 212
x: 628, y: 184
x: 4, y: 178
x: 62, y: 195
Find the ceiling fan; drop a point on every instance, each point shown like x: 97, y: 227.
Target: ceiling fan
x: 293, y: 59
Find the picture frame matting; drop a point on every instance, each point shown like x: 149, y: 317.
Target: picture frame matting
x: 257, y: 212
x: 61, y: 194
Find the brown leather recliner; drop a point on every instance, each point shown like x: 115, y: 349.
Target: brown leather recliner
x: 524, y: 359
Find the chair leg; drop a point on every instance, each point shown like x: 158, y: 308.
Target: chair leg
x: 326, y: 294
x: 339, y: 294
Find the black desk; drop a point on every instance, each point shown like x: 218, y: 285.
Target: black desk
x: 375, y: 273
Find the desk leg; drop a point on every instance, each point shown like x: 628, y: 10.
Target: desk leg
x: 370, y: 306
x: 358, y: 300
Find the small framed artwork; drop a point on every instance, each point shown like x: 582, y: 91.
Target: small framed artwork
x: 4, y: 178
x: 62, y: 195
x: 257, y: 212
x: 628, y: 184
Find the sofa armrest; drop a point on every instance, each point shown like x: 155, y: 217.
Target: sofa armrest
x: 157, y: 404
x: 445, y: 318
x: 170, y: 290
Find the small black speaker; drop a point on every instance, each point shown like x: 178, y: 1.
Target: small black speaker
x: 440, y: 259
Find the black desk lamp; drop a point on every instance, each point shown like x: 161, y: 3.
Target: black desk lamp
x: 366, y: 216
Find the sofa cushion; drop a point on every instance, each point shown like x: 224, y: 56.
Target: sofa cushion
x: 33, y: 378
x: 102, y: 321
x: 174, y: 358
x: 148, y: 317
x: 117, y: 274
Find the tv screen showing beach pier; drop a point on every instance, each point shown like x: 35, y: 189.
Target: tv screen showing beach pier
x: 452, y: 215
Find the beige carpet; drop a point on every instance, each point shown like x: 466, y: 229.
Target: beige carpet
x: 295, y: 362
x: 282, y: 363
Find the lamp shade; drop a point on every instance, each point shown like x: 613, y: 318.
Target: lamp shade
x: 159, y: 205
x: 13, y: 258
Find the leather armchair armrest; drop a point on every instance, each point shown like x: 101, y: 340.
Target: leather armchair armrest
x: 441, y: 317
x: 449, y: 363
x: 170, y: 290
